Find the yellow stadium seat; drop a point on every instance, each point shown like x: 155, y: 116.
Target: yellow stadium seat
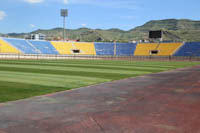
x: 167, y: 49
x: 67, y: 48
x: 163, y: 49
x: 144, y: 49
x: 7, y: 48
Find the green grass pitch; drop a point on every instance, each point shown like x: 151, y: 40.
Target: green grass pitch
x: 21, y: 79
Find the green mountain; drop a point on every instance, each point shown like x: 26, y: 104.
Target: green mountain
x: 170, y: 24
x: 174, y: 29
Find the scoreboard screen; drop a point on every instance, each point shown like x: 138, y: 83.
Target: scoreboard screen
x: 155, y: 34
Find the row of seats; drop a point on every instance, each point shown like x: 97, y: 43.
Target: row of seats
x: 44, y: 47
x: 67, y: 48
x: 189, y: 49
x: 119, y: 49
x: 30, y: 47
x: 160, y: 49
x: 7, y: 48
x: 21, y: 46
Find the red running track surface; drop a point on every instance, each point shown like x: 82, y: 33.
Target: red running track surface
x: 167, y: 102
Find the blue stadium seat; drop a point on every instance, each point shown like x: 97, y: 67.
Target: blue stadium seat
x: 44, y: 46
x: 23, y: 45
x: 106, y: 49
x: 125, y: 49
x: 189, y: 49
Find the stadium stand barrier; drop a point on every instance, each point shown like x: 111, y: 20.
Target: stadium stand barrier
x: 89, y: 57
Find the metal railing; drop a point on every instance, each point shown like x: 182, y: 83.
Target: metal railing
x: 94, y: 57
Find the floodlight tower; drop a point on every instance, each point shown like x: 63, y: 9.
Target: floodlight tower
x: 115, y: 48
x: 64, y: 14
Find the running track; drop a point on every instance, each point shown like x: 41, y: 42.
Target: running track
x: 167, y: 102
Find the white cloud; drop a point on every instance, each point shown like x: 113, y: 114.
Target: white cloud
x: 2, y: 15
x: 32, y: 26
x: 66, y: 1
x: 83, y: 25
x: 34, y: 1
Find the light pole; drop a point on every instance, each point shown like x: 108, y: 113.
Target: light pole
x: 115, y: 48
x: 64, y: 14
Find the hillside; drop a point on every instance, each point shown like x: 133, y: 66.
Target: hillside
x: 176, y: 30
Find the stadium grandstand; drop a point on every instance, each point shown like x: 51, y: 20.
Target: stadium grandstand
x: 189, y: 49
x: 81, y: 48
x: 157, y: 49
x: 22, y: 46
x: 7, y: 48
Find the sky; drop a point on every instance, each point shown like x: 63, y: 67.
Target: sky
x: 28, y: 15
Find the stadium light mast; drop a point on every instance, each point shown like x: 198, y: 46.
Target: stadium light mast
x: 115, y: 48
x: 64, y: 14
